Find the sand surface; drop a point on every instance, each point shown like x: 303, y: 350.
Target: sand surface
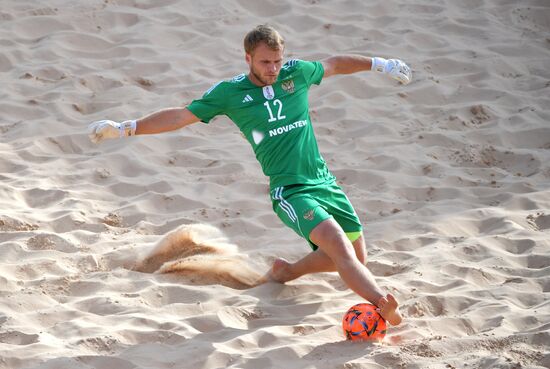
x: 450, y: 176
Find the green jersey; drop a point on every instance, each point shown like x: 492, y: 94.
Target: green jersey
x: 275, y: 120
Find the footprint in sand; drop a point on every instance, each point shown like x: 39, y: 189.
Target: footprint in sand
x: 18, y: 338
x: 539, y: 221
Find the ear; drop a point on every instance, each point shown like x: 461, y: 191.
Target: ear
x: 248, y: 58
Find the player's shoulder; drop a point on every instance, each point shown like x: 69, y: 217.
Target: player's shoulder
x: 293, y: 64
x: 220, y: 87
x: 239, y: 78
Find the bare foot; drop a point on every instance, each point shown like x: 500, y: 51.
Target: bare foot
x: 280, y: 271
x: 389, y: 309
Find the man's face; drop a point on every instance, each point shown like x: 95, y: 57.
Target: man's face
x: 265, y: 64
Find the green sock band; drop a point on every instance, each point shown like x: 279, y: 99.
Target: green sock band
x: 353, y: 236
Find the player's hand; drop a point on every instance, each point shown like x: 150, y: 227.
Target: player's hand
x: 107, y: 129
x: 398, y: 70
x: 395, y: 68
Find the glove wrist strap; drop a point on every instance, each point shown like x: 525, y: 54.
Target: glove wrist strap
x: 378, y: 64
x: 128, y: 128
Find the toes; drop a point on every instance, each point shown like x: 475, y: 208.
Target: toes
x: 382, y: 302
x: 391, y: 299
x: 279, y: 271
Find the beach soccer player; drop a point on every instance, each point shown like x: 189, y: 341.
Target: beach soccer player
x: 269, y: 104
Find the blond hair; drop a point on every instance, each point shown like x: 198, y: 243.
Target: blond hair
x: 266, y: 34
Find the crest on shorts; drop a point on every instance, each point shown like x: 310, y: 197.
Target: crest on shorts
x: 309, y: 214
x: 288, y: 85
x: 269, y: 93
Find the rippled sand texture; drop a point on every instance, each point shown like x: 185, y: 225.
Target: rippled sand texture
x: 450, y: 176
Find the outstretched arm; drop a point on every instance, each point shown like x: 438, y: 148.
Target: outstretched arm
x: 162, y: 121
x: 165, y: 120
x: 346, y: 64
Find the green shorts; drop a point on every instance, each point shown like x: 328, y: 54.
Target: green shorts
x: 303, y: 207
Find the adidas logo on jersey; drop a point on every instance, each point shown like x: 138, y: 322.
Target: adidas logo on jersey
x: 247, y: 98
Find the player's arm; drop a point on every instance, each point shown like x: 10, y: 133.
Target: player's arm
x: 165, y: 120
x: 347, y: 64
x: 161, y: 121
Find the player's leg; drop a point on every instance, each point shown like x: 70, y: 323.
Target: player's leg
x: 360, y: 249
x: 330, y: 238
x: 315, y: 262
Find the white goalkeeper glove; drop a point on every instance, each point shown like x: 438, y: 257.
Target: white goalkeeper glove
x: 394, y: 67
x: 103, y: 129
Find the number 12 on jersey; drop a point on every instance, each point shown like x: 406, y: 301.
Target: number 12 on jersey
x: 279, y: 105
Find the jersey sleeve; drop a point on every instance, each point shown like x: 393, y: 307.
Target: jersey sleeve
x: 313, y: 71
x: 211, y: 104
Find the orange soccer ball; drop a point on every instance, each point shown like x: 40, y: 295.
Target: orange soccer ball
x: 362, y: 322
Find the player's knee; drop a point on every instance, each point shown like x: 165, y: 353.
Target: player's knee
x: 361, y: 257
x: 332, y: 241
x: 360, y: 250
